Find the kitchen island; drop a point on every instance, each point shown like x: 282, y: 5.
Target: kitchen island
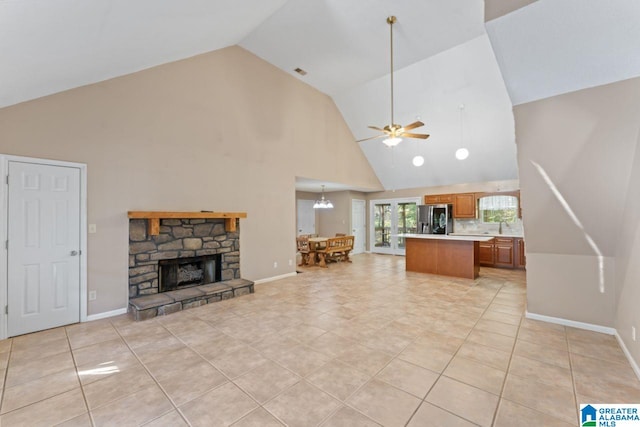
x: 447, y: 255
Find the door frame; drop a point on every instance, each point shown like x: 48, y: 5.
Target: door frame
x: 394, y: 249
x: 4, y: 224
x: 364, y: 214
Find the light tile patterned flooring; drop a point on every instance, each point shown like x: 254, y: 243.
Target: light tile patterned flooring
x: 362, y: 344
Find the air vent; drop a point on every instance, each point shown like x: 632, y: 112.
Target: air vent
x: 300, y: 71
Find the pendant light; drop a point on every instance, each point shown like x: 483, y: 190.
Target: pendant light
x: 461, y: 153
x: 323, y: 203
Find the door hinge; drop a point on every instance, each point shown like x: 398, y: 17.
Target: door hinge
x: 6, y: 309
x: 7, y: 180
x: 6, y: 244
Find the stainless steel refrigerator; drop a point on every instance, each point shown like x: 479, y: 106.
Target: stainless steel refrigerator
x: 435, y: 219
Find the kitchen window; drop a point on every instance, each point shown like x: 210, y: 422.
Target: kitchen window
x: 495, y: 209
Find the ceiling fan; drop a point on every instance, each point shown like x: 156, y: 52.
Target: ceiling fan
x: 394, y: 132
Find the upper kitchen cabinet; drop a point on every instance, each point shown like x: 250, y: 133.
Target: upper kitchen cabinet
x: 434, y: 199
x: 464, y: 205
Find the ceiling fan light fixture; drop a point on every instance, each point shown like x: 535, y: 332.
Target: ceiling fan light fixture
x: 394, y: 132
x: 418, y: 161
x: 392, y: 142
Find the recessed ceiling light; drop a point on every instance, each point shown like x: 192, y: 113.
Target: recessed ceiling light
x: 462, y: 153
x: 418, y: 161
x: 300, y: 71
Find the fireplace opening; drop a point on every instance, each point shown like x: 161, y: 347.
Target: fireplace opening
x: 179, y: 273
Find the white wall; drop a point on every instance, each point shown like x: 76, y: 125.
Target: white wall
x: 628, y: 264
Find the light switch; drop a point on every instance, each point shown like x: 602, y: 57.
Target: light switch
x: 92, y: 228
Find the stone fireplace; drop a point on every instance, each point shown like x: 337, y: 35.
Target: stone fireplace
x: 176, y: 264
x: 180, y: 241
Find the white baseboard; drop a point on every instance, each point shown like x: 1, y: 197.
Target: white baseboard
x: 106, y: 314
x: 271, y: 279
x: 572, y: 323
x: 627, y: 353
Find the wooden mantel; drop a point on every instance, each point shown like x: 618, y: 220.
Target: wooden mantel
x: 154, y: 218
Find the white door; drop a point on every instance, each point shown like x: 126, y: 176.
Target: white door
x: 306, y: 218
x: 389, y: 218
x: 44, y: 247
x: 358, y: 225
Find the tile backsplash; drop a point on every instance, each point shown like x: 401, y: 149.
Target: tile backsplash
x: 475, y: 226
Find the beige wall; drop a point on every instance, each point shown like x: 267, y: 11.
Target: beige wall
x: 585, y: 141
x: 224, y: 131
x: 336, y: 220
x: 627, y: 265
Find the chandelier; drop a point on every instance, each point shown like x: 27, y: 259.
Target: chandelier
x: 323, y: 203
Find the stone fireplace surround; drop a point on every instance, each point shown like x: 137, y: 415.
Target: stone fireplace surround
x: 181, y: 238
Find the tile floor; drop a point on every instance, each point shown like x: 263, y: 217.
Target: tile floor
x: 361, y: 344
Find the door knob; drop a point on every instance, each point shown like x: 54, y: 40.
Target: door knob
x: 74, y: 253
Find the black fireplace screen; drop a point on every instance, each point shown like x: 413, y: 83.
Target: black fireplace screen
x: 178, y: 273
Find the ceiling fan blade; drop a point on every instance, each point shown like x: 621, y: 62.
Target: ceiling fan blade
x: 377, y: 128
x: 414, y: 125
x: 414, y: 135
x: 371, y: 137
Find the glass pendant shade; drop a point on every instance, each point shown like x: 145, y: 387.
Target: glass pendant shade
x: 323, y: 203
x: 462, y: 153
x: 392, y: 142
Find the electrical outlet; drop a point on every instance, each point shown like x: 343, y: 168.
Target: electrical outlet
x: 275, y: 264
x: 290, y: 262
x: 92, y: 295
x: 633, y: 333
x: 92, y: 228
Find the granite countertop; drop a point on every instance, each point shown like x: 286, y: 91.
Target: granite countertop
x: 452, y: 236
x: 487, y: 234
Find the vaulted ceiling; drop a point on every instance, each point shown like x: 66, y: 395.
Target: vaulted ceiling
x: 445, y: 57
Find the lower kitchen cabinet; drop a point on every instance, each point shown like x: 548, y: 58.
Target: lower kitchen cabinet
x: 521, y: 259
x: 487, y: 253
x: 504, y: 252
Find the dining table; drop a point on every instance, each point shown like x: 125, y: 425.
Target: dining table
x: 316, y: 243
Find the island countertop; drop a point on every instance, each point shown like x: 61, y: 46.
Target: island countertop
x: 479, y: 238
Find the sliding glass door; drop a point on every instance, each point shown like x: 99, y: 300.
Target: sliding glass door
x: 390, y: 218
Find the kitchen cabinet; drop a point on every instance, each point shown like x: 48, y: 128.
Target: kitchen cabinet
x: 434, y: 199
x: 464, y: 205
x: 503, y: 252
x: 521, y: 260
x: 487, y: 254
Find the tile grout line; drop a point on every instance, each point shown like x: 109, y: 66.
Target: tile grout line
x: 6, y: 374
x: 75, y: 367
x: 153, y: 377
x: 451, y: 359
x: 506, y: 374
